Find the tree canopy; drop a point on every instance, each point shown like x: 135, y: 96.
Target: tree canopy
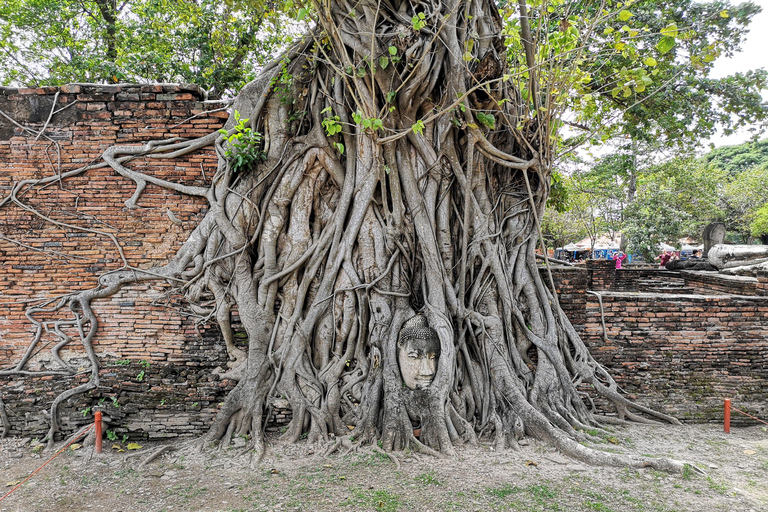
x: 216, y: 45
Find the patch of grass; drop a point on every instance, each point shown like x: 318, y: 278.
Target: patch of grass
x: 687, y: 472
x: 380, y: 500
x: 718, y: 487
x: 542, y: 492
x: 428, y: 478
x: 596, y: 505
x: 187, y: 492
x: 504, y: 491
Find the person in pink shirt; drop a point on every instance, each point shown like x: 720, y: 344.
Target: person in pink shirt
x: 619, y: 258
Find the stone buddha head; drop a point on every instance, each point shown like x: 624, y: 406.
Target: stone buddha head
x: 418, y: 350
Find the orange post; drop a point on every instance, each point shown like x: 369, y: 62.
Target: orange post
x: 98, y: 431
x: 727, y: 416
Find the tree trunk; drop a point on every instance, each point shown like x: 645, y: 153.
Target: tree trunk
x: 425, y: 202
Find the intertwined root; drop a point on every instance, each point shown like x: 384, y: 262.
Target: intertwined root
x: 329, y: 245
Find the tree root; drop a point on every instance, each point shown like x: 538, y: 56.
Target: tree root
x: 324, y: 247
x: 4, y: 419
x: 158, y: 452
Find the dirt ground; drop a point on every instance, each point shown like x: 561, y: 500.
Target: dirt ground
x: 297, y: 478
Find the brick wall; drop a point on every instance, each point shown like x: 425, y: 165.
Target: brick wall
x: 680, y: 353
x: 683, y: 354
x: 571, y: 286
x: 714, y: 283
x: 40, y: 260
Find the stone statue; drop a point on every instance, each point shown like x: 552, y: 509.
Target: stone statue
x: 739, y: 259
x: 713, y: 234
x: 418, y: 349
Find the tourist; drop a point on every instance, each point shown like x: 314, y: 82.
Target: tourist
x: 619, y: 258
x: 696, y: 254
x: 664, y: 258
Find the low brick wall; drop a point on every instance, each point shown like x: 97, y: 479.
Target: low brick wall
x: 713, y: 283
x: 571, y: 286
x: 683, y: 354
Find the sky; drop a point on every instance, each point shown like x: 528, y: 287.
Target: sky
x: 754, y: 55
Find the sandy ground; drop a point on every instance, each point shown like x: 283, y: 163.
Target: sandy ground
x: 297, y: 478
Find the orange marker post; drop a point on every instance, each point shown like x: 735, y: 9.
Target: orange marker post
x: 727, y: 416
x: 98, y: 431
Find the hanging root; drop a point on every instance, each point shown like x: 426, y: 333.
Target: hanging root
x: 377, y: 193
x: 4, y: 419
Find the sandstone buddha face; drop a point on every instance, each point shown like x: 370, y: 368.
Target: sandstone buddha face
x: 418, y: 350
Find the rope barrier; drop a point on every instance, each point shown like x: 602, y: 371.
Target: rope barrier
x: 727, y: 415
x: 81, y: 434
x: 750, y: 416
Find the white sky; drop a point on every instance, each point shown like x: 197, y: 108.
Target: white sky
x: 754, y: 55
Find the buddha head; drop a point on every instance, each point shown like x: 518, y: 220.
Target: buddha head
x: 418, y: 349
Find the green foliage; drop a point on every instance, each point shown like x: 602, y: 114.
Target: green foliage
x: 637, y: 69
x: 111, y: 435
x: 214, y: 45
x: 742, y: 198
x: 332, y: 124
x: 650, y: 221
x: 736, y: 159
x: 419, y: 21
x: 759, y: 225
x: 487, y: 119
x: 242, y: 146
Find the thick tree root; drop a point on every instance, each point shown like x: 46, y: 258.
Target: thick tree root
x: 399, y: 176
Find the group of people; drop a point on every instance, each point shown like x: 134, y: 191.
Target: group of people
x: 667, y: 256
x: 663, y: 258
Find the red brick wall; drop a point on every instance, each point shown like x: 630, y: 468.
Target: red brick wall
x: 41, y: 260
x: 679, y: 353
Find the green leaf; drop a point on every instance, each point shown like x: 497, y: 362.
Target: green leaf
x: 650, y: 62
x: 391, y: 96
x: 302, y: 13
x: 670, y: 30
x: 393, y: 50
x: 383, y: 62
x: 665, y: 44
x: 608, y: 30
x: 418, y: 127
x: 625, y: 15
x: 487, y: 119
x: 357, y: 117
x: 467, y: 56
x: 339, y: 146
x: 367, y: 124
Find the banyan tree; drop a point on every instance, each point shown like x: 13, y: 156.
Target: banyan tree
x: 373, y: 222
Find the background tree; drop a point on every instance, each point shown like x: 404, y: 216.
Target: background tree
x: 216, y: 45
x: 653, y: 86
x: 742, y: 197
x: 759, y: 225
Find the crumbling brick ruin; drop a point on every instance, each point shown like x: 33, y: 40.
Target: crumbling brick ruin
x: 677, y: 341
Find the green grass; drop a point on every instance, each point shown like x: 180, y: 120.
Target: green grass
x: 428, y: 478
x: 380, y: 500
